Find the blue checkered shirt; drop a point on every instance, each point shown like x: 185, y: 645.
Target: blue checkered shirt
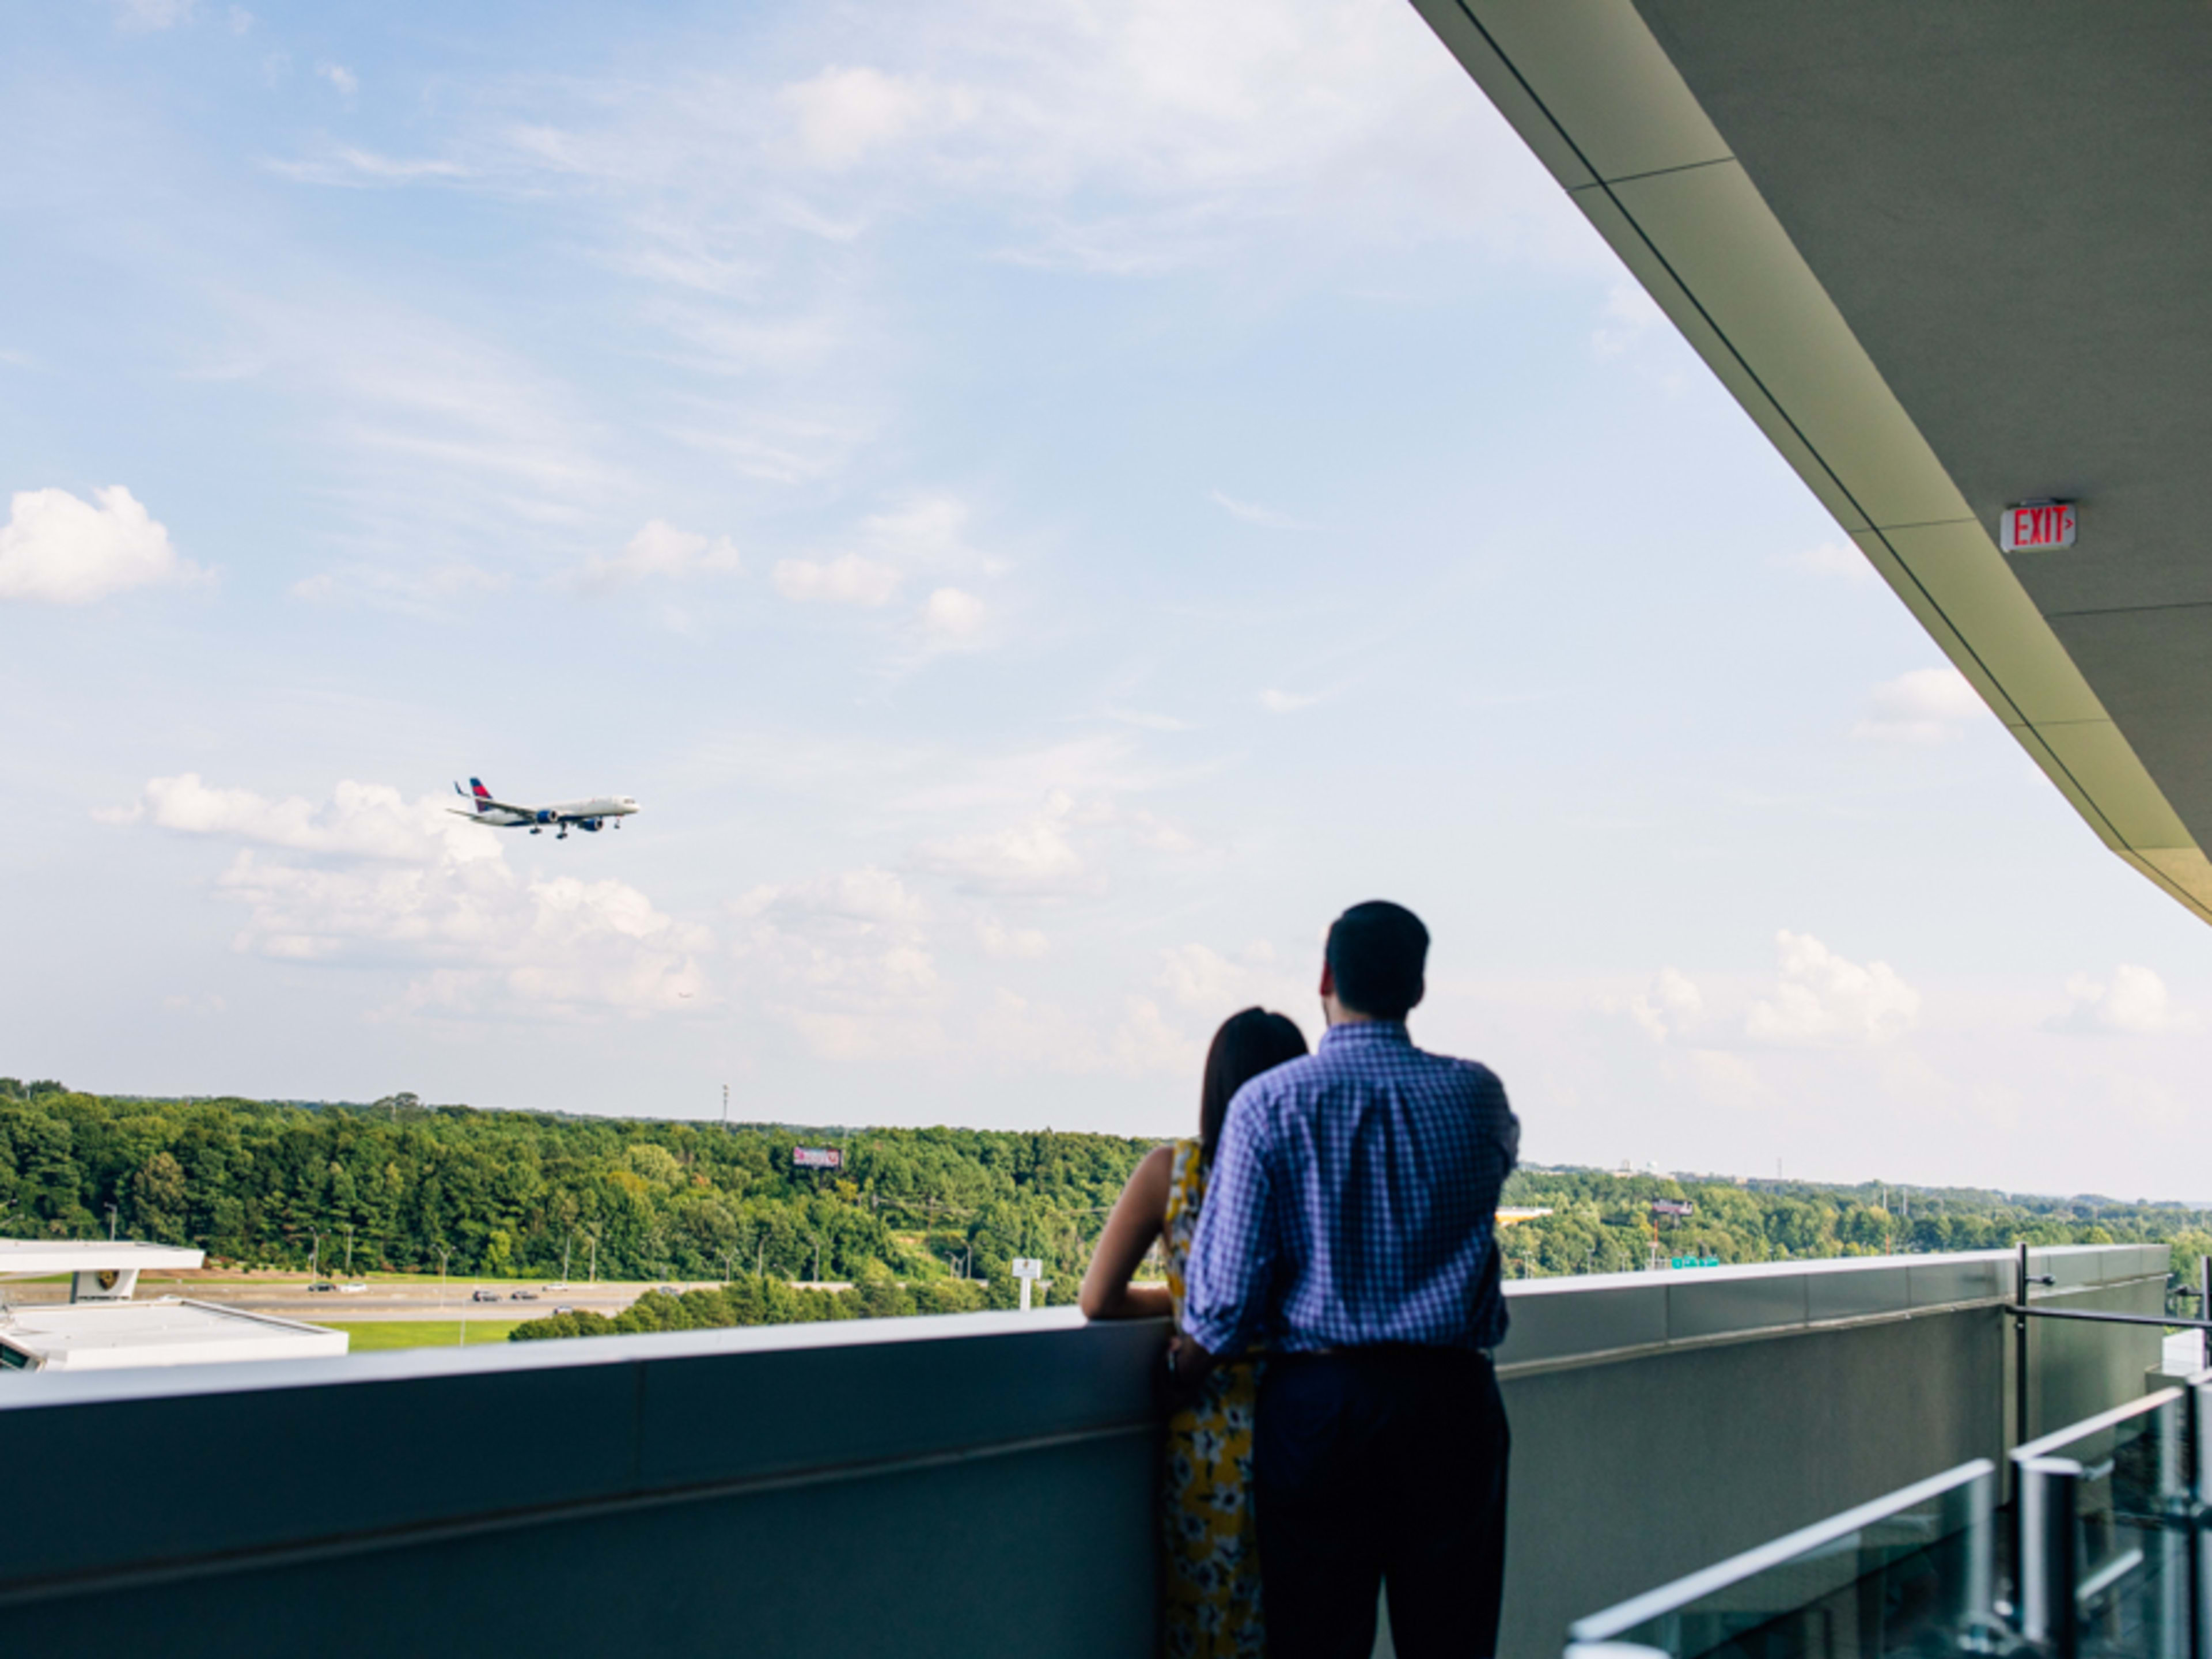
x: 1354, y: 1200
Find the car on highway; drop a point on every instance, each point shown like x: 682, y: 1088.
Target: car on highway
x: 485, y: 1295
x: 563, y: 1310
x: 352, y: 1289
x: 324, y: 1285
x: 522, y: 1296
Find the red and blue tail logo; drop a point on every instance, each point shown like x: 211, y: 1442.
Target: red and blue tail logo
x: 483, y: 795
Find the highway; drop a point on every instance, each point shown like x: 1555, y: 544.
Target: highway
x: 288, y: 1296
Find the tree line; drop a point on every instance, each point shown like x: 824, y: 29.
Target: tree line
x: 407, y: 1187
x: 915, y: 1220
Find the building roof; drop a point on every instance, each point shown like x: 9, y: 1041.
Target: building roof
x: 166, y: 1331
x: 39, y: 1255
x: 1947, y: 259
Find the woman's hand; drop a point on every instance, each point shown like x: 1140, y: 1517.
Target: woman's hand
x: 1184, y: 1367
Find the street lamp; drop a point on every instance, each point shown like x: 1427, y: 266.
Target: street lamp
x: 443, y: 1252
x: 315, y: 1261
x: 111, y: 1224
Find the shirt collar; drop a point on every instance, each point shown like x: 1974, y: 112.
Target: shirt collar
x: 1367, y: 1030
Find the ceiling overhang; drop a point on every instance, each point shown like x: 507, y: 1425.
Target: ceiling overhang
x: 1947, y: 258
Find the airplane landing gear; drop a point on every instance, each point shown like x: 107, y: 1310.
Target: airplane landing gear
x: 533, y: 829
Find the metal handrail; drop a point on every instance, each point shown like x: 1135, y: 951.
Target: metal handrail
x: 2051, y: 1443
x: 1626, y: 1615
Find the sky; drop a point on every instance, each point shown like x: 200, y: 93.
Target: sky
x: 1044, y: 506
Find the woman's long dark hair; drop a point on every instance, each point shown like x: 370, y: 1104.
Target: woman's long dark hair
x: 1247, y: 1044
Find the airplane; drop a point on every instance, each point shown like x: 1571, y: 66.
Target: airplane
x: 563, y: 815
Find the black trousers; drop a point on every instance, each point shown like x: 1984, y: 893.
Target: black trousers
x: 1374, y: 1466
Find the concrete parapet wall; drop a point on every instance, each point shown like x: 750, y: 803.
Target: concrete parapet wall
x: 978, y: 1486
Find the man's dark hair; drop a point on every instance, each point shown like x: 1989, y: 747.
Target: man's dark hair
x: 1247, y: 1044
x: 1376, y: 953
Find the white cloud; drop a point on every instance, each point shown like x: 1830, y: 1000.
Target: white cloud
x: 929, y: 531
x: 342, y: 79
x: 2134, y: 1001
x: 1252, y: 513
x: 241, y: 20
x: 952, y: 620
x: 1276, y: 702
x: 1034, y: 857
x: 1145, y: 1044
x: 1670, y: 1005
x: 1630, y: 313
x: 1146, y: 722
x: 1204, y: 981
x: 843, y: 114
x: 359, y: 820
x: 142, y: 17
x: 844, y: 960
x: 847, y: 579
x: 57, y: 549
x: 1839, y: 559
x: 660, y: 550
x: 1926, y: 706
x: 374, y: 879
x: 1017, y: 943
x: 1824, y: 998
x: 426, y: 592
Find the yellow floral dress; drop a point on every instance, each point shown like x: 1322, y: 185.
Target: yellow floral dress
x: 1210, y: 1551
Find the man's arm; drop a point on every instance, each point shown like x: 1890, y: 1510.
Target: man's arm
x: 1232, y: 1251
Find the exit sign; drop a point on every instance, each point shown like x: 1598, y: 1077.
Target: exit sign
x: 2031, y: 524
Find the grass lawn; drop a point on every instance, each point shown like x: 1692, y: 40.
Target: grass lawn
x: 370, y: 1336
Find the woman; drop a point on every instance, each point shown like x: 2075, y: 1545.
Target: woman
x: 1210, y: 1566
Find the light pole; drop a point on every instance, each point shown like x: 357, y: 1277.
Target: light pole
x: 315, y: 1261
x: 111, y: 1224
x: 349, y: 1249
x: 566, y: 1244
x: 443, y: 1252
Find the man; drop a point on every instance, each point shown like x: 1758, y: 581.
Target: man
x: 1349, y: 1226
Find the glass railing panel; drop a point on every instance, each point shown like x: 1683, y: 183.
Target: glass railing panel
x: 2104, y: 1537
x: 1910, y: 1574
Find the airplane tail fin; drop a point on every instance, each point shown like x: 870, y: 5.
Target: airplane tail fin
x: 477, y: 793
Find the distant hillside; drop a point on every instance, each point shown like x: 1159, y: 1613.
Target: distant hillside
x: 510, y: 1192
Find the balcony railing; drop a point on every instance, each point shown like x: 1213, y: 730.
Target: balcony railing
x: 978, y: 1486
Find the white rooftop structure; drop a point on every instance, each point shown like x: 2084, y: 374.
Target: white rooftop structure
x: 102, y: 1270
x: 169, y: 1331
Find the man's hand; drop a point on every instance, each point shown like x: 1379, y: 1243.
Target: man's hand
x: 1184, y: 1370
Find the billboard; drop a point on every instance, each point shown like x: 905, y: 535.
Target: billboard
x: 1675, y: 1207
x: 816, y: 1157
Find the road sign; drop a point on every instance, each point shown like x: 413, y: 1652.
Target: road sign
x: 2027, y: 525
x: 1028, y: 1267
x: 1696, y: 1262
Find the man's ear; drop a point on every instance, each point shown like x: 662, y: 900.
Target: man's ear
x: 1327, y: 979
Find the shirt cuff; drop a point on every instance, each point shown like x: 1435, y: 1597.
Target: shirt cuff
x: 1218, y: 1337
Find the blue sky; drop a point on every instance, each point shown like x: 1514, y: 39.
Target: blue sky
x: 1044, y: 506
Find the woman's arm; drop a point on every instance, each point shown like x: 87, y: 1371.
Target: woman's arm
x: 1138, y: 1216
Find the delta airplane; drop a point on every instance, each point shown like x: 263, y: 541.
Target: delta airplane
x: 563, y: 815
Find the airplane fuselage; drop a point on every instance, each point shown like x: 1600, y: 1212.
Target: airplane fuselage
x: 562, y: 816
